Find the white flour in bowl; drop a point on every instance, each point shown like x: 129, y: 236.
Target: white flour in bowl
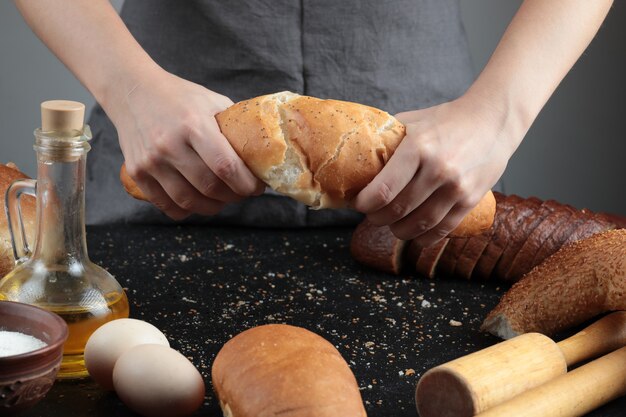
x: 15, y: 343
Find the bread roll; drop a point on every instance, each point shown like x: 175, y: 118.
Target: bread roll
x: 277, y: 370
x: 580, y: 281
x: 319, y: 152
x: 8, y: 174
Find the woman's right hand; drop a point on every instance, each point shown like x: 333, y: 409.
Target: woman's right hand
x: 174, y: 149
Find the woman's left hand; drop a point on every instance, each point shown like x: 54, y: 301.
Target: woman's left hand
x: 452, y: 154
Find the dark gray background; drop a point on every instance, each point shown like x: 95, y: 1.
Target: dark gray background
x: 573, y: 153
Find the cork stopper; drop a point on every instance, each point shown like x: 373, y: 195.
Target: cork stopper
x: 62, y: 116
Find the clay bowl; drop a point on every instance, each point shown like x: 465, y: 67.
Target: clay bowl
x: 26, y: 378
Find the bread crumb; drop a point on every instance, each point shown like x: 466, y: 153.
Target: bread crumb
x: 455, y: 323
x: 425, y: 304
x: 409, y: 372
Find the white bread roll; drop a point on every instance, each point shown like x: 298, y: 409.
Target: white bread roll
x: 298, y: 145
x: 277, y: 369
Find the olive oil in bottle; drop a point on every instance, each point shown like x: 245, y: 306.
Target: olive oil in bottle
x: 57, y: 274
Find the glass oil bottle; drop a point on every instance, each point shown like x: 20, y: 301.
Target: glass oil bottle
x: 57, y: 274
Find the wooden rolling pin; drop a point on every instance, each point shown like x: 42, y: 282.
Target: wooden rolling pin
x: 474, y: 383
x: 574, y: 394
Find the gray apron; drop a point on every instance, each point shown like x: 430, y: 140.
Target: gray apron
x: 396, y: 55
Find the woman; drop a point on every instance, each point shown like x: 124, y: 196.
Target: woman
x: 157, y: 71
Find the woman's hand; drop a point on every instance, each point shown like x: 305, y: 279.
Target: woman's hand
x: 451, y: 156
x: 174, y: 149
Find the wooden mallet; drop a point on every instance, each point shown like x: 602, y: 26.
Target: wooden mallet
x: 574, y: 394
x: 477, y: 382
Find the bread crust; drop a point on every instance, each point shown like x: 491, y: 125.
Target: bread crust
x: 522, y: 262
x: 500, y: 236
x: 578, y: 282
x: 377, y: 247
x: 8, y: 174
x: 529, y: 214
x: 277, y: 369
x: 335, y: 147
x: 428, y: 258
x: 319, y: 152
x: 447, y: 261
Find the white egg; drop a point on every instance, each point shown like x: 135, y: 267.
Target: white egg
x: 112, y: 339
x: 154, y: 380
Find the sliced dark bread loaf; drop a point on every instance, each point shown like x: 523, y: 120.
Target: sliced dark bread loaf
x: 426, y: 264
x: 528, y: 214
x: 451, y: 254
x: 554, y: 242
x: 505, y: 217
x: 522, y: 263
x: 595, y: 223
x: 471, y: 254
x: 618, y: 220
x: 377, y: 247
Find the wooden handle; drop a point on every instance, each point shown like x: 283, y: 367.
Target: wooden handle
x: 480, y: 380
x: 573, y: 394
x: 603, y: 336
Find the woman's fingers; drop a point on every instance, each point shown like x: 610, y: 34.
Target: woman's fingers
x: 217, y: 153
x: 430, y: 221
x: 202, y: 178
x: 157, y: 196
x: 185, y: 195
x: 391, y: 180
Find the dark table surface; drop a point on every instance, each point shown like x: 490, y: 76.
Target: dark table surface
x: 202, y: 285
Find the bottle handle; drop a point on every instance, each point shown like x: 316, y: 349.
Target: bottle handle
x: 21, y: 250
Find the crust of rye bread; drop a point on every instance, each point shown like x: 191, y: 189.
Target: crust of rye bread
x: 499, y: 238
x: 428, y: 259
x: 377, y: 247
x: 529, y: 215
x: 560, y: 235
x: 523, y: 260
x: 578, y: 282
x: 450, y: 255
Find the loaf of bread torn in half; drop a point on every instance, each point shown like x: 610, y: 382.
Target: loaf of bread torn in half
x: 319, y: 152
x: 282, y: 370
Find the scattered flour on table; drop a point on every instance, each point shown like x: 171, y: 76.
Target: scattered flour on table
x: 15, y: 343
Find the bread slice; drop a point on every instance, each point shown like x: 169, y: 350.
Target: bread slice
x: 581, y: 280
x: 447, y: 261
x: 528, y: 214
x: 377, y: 247
x: 522, y: 263
x: 593, y: 224
x: 618, y: 220
x: 428, y: 259
x: 500, y: 236
x: 471, y: 254
x: 556, y: 240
